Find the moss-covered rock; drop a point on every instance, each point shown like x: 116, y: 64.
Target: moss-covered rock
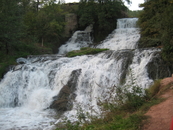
x: 85, y: 51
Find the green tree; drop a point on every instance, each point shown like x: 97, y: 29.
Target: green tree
x: 47, y: 24
x: 11, y: 26
x: 157, y: 27
x: 50, y: 23
x: 167, y: 31
x: 149, y: 22
x: 39, y: 3
x: 102, y: 14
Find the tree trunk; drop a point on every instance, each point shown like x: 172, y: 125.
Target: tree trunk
x: 42, y: 42
x: 6, y: 48
x: 38, y: 2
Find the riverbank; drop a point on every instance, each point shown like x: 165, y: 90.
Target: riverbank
x: 154, y: 111
x: 162, y: 113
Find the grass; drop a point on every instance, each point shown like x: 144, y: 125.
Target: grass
x: 154, y: 89
x: 124, y: 116
x: 85, y: 51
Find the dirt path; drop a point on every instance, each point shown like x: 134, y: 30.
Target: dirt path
x: 162, y: 113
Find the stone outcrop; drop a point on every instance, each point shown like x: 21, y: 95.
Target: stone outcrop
x: 64, y: 100
x: 158, y: 68
x: 71, y: 24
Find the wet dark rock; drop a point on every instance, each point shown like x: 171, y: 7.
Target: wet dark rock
x: 61, y: 101
x: 127, y: 57
x: 17, y: 67
x: 158, y: 68
x: 10, y: 67
x: 64, y: 100
x: 107, y: 54
x: 21, y: 60
x: 42, y: 58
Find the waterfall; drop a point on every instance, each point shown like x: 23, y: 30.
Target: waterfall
x: 28, y: 90
x: 124, y: 37
x: 78, y: 40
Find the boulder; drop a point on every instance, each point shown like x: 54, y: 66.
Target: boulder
x: 64, y: 100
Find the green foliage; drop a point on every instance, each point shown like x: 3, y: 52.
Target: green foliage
x: 5, y: 61
x: 154, y: 89
x: 70, y: 8
x: 20, y: 50
x: 47, y: 25
x: 134, y: 99
x: 35, y: 27
x: 130, y: 97
x: 134, y: 14
x: 102, y: 14
x: 115, y: 122
x: 156, y: 26
x: 126, y: 112
x: 12, y: 31
x: 27, y: 30
x: 118, y: 122
x: 84, y: 51
x: 69, y: 126
x: 11, y: 25
x: 149, y: 29
x: 146, y: 106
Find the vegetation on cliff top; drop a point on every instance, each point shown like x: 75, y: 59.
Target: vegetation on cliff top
x: 85, y: 51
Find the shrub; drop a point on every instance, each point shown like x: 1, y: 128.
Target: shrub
x: 153, y: 90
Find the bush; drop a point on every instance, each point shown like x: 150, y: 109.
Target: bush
x: 134, y: 99
x: 153, y: 90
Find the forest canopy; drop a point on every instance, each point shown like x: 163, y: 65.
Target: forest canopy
x: 102, y: 14
x: 27, y: 22
x: 156, y: 26
x: 30, y: 27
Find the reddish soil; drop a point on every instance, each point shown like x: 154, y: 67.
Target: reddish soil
x: 161, y: 114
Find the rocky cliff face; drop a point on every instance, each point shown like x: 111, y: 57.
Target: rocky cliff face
x: 158, y: 68
x: 71, y: 24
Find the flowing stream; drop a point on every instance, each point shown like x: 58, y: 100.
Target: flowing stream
x: 28, y: 90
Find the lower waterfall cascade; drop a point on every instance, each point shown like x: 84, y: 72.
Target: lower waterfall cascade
x: 28, y: 90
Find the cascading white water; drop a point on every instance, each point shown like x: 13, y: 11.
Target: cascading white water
x: 124, y: 37
x: 78, y: 40
x: 27, y: 91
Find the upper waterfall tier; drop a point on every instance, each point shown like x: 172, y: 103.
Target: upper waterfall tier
x: 126, y: 23
x: 125, y: 36
x: 78, y: 40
